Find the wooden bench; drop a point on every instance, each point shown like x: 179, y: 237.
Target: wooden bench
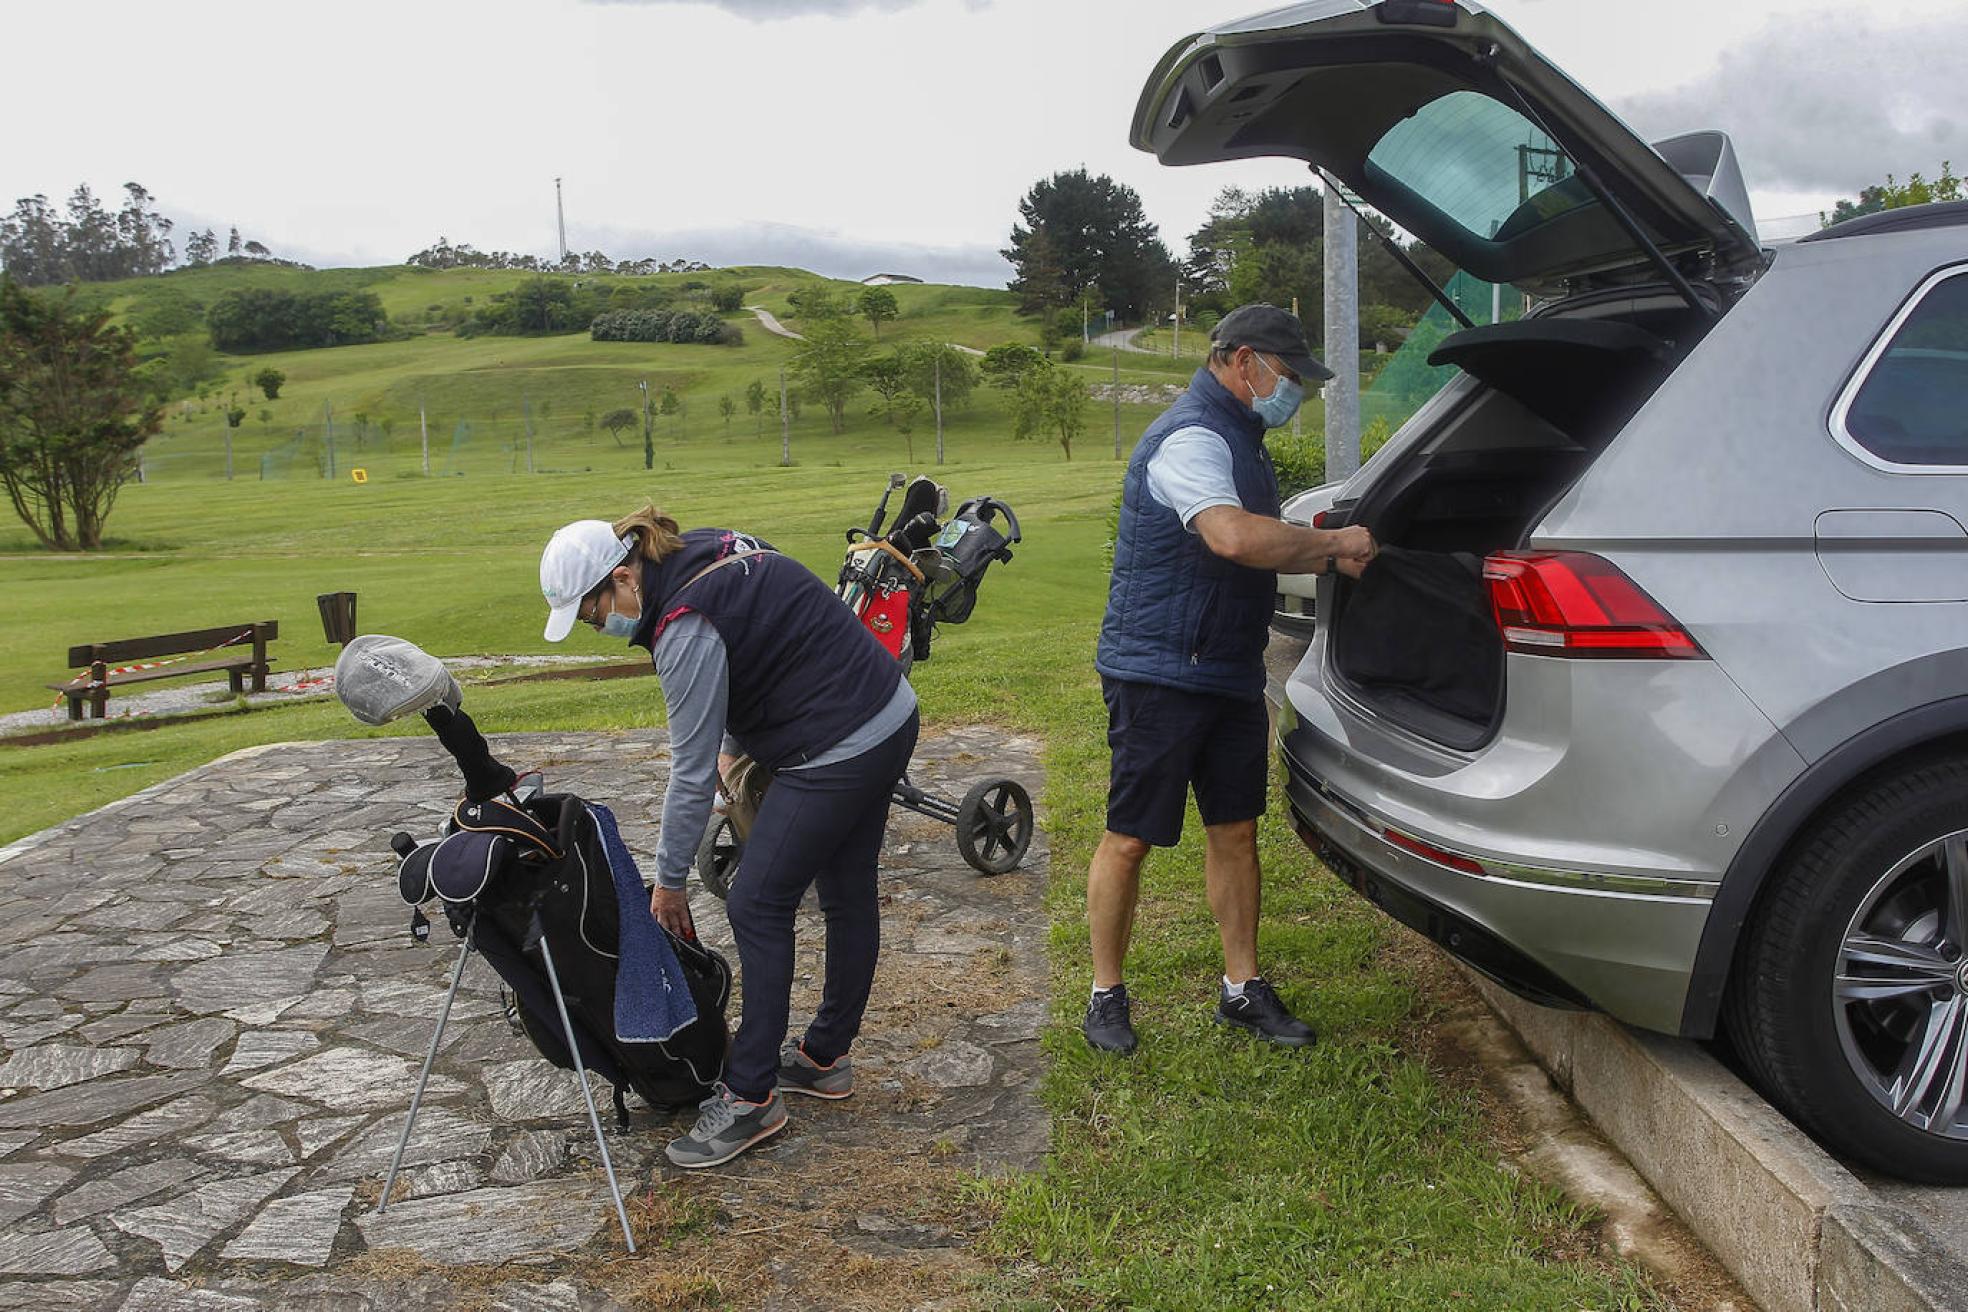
x: 238, y: 649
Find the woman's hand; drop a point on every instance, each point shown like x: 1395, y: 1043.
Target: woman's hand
x: 671, y: 907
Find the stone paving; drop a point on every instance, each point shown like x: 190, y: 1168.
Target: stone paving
x: 212, y: 1016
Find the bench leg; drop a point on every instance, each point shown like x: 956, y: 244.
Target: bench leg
x: 236, y: 681
x: 74, y: 706
x: 259, y: 678
x: 99, y: 704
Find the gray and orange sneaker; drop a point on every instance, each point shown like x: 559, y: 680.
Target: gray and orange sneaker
x: 726, y: 1126
x: 799, y: 1073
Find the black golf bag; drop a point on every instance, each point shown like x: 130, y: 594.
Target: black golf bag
x: 526, y: 866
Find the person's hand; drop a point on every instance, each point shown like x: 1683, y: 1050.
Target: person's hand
x: 1354, y: 543
x: 1349, y: 566
x: 671, y: 907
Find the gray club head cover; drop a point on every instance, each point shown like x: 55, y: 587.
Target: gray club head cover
x: 380, y: 679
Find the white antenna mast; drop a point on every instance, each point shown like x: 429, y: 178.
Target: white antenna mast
x: 560, y: 213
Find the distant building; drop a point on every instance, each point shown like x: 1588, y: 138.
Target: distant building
x: 887, y: 279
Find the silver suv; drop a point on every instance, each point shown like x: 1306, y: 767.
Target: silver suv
x: 1661, y: 706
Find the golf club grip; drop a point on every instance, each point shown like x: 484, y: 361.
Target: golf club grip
x: 485, y: 776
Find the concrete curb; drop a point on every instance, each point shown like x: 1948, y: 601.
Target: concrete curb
x: 1796, y: 1229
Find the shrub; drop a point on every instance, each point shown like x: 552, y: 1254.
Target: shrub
x: 683, y: 326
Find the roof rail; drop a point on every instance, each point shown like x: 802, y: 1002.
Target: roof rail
x: 1912, y: 218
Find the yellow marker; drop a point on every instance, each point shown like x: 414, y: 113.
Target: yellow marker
x: 359, y: 475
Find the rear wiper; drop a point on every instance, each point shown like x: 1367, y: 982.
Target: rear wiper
x: 1621, y: 215
x: 1406, y: 261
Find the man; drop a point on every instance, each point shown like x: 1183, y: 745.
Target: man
x: 1181, y: 657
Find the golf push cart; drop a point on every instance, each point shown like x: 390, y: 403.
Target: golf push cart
x: 902, y: 584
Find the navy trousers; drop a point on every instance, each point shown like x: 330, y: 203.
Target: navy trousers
x: 819, y: 826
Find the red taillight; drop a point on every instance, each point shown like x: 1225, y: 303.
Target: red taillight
x: 1571, y: 603
x: 1429, y: 852
x: 1319, y: 518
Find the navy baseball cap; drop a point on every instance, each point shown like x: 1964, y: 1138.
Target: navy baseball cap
x: 1273, y: 331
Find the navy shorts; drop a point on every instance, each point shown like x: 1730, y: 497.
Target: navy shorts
x: 1166, y: 741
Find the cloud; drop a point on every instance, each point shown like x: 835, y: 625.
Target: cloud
x: 1833, y: 104
x: 819, y: 250
x: 765, y: 11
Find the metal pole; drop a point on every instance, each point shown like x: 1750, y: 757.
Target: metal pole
x: 648, y: 434
x: 1175, y: 340
x: 423, y: 429
x: 228, y: 448
x: 526, y: 412
x: 1342, y: 334
x: 1298, y: 415
x: 328, y: 409
x: 423, y: 1077
x: 587, y: 1094
x: 939, y: 405
x: 785, y: 423
x: 1117, y: 402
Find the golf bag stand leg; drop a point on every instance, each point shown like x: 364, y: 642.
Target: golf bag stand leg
x: 587, y: 1094
x: 423, y: 1077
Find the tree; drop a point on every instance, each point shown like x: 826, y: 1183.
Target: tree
x: 670, y: 404
x: 1099, y: 237
x: 617, y: 420
x: 877, y: 305
x: 233, y: 243
x: 755, y: 402
x: 73, y: 414
x: 201, y: 248
x: 888, y: 376
x: 1893, y: 195
x: 829, y: 366
x: 1041, y: 282
x: 728, y: 297
x: 1006, y: 366
x: 1050, y: 402
x: 815, y: 300
x: 933, y: 367
x: 268, y: 380
x: 727, y: 408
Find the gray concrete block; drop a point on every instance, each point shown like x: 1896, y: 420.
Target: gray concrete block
x: 1880, y: 1258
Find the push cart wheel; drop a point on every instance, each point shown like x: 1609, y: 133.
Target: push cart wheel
x: 717, y: 858
x: 994, y: 825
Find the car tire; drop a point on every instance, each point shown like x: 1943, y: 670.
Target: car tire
x: 1850, y: 973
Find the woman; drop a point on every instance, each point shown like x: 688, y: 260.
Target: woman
x: 752, y: 648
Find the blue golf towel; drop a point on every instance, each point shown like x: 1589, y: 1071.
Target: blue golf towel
x: 652, y: 997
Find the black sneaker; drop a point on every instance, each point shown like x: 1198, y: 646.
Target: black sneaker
x: 1107, y: 1027
x: 1264, y: 1014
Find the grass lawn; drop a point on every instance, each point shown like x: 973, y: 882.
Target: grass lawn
x: 1206, y: 1172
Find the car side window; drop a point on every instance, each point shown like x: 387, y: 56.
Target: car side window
x: 1911, y: 404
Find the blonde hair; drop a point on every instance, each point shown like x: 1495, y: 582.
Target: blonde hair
x: 656, y: 534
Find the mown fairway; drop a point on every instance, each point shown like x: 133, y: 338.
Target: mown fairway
x: 1207, y: 1172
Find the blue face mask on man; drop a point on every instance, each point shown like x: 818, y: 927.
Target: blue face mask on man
x: 1277, y: 409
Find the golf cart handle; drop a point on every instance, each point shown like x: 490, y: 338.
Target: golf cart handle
x: 985, y: 507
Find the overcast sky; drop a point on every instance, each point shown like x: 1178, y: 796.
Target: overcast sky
x: 849, y: 136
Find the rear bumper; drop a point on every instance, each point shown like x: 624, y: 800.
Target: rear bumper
x: 1629, y: 954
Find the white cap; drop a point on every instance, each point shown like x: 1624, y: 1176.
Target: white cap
x: 577, y: 558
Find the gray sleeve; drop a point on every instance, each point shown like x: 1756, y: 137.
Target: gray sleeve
x: 690, y: 661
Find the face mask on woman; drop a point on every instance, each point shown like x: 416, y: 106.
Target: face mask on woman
x: 618, y: 623
x: 1277, y: 409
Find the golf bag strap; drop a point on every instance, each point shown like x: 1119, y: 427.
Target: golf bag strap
x: 882, y: 544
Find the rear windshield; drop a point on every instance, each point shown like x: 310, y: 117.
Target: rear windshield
x: 1481, y: 163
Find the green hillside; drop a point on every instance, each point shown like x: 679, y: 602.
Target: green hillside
x: 477, y: 394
